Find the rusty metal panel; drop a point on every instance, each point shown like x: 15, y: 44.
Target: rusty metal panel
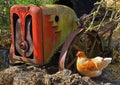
x: 26, y: 40
x: 59, y: 21
x: 38, y: 31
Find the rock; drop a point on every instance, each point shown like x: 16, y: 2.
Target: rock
x: 108, y: 84
x: 15, y: 75
x: 4, y: 59
x: 0, y: 83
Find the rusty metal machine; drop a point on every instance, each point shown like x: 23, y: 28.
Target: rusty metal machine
x: 38, y: 31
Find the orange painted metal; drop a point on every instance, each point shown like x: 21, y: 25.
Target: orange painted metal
x: 50, y: 26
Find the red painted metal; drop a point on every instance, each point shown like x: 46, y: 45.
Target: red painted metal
x: 35, y: 12
x: 47, y: 32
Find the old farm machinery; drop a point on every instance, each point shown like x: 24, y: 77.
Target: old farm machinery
x: 39, y: 31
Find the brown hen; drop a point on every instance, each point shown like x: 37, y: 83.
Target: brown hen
x: 91, y: 67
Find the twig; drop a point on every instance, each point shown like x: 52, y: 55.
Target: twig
x: 110, y: 26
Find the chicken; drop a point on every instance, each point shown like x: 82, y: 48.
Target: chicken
x: 91, y: 67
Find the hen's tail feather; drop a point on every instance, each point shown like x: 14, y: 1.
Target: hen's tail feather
x: 107, y: 61
x: 103, y: 63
